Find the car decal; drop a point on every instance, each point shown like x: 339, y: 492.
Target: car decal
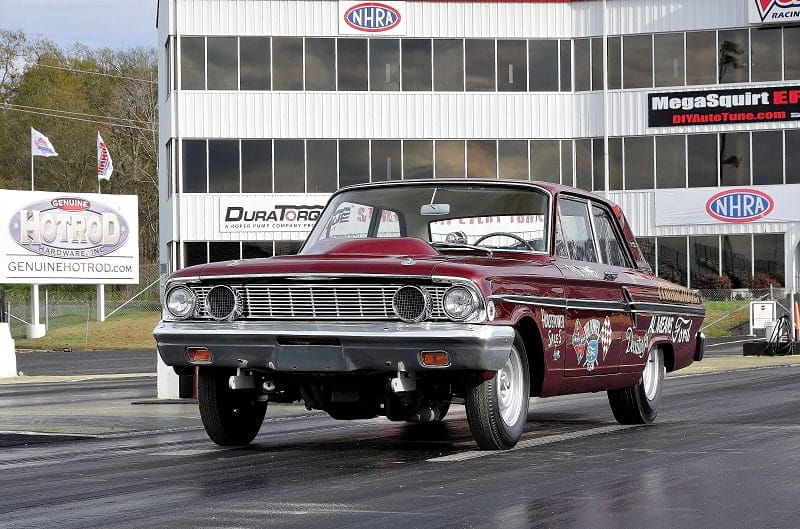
x: 590, y: 341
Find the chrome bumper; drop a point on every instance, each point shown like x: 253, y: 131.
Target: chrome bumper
x: 290, y: 346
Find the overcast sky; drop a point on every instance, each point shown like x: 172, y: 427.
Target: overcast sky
x: 95, y: 23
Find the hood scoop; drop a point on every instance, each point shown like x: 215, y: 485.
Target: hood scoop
x: 385, y: 247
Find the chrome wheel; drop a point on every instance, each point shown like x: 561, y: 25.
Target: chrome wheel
x: 510, y: 389
x: 653, y: 374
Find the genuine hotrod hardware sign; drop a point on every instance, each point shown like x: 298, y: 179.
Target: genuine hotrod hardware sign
x: 57, y: 238
x: 721, y: 107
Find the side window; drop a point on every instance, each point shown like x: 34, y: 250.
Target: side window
x: 611, y: 250
x: 577, y: 230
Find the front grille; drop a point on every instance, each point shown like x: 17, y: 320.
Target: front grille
x: 322, y: 301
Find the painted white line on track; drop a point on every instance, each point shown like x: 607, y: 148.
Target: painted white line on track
x: 549, y: 439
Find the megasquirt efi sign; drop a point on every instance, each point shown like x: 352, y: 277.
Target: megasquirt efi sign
x: 69, y: 238
x: 774, y: 11
x: 723, y: 107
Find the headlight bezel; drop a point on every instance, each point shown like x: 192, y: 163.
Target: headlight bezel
x: 190, y: 301
x: 466, y: 293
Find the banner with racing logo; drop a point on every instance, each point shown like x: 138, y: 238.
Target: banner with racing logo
x: 59, y: 238
x: 724, y: 107
x: 282, y: 213
x: 774, y: 11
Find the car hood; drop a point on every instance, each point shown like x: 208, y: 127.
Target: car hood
x: 394, y: 257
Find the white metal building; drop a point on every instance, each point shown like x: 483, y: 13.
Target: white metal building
x: 685, y: 112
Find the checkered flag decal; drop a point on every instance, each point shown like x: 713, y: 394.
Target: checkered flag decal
x: 606, y: 335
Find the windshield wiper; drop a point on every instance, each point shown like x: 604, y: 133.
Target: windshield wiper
x: 460, y: 246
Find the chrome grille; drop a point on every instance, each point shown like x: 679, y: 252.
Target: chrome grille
x: 320, y: 301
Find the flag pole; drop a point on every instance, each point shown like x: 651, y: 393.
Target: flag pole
x: 101, y: 288
x: 34, y: 329
x: 31, y: 164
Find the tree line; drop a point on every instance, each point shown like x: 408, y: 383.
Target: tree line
x: 69, y: 95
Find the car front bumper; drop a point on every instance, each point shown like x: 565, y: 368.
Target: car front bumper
x: 335, y: 347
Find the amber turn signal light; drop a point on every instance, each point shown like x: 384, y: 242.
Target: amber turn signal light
x: 434, y: 358
x: 198, y: 355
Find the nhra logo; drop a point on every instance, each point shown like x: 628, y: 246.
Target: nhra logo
x: 43, y: 146
x: 777, y: 9
x: 372, y: 17
x: 740, y: 205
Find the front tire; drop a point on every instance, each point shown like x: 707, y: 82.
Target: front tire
x: 639, y: 404
x: 497, y: 409
x: 231, y: 418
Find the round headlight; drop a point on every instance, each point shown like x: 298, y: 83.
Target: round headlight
x: 180, y: 302
x: 459, y: 303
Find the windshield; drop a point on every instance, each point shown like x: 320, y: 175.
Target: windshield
x: 446, y: 215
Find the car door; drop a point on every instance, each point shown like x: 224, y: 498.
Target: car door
x: 598, y: 309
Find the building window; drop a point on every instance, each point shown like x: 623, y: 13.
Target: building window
x: 513, y: 159
x: 256, y: 249
x: 598, y: 165
x: 737, y: 261
x: 287, y: 247
x: 479, y: 65
x: 793, y: 157
x: 449, y: 160
x: 767, y: 159
x: 287, y: 63
x: 386, y: 160
x: 701, y: 57
x: 734, y: 158
x: 597, y: 63
x: 614, y: 63
x: 448, y: 65
x: 615, y: 164
x: 639, y: 162
x: 320, y: 64
x: 567, y: 164
x: 769, y: 260
x: 672, y: 259
x: 321, y: 164
x: 704, y: 259
x: 647, y: 245
x: 193, y: 63
x: 565, y: 65
x: 546, y: 161
x: 222, y: 55
x: 290, y: 165
x: 351, y: 61
x: 256, y: 166
x: 583, y: 164
x: 254, y: 63
x: 669, y: 55
x: 512, y: 66
x: 481, y: 159
x: 194, y: 163
x: 417, y: 75
x: 170, y: 167
x: 384, y: 65
x: 223, y: 166
x: 195, y: 253
x: 543, y: 71
x: 791, y: 59
x: 224, y: 251
x: 637, y: 61
x: 670, y: 161
x: 733, y: 56
x: 353, y: 162
x: 582, y: 65
x: 701, y: 154
x: 765, y: 54
x: 417, y: 159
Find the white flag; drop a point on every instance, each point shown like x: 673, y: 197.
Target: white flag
x: 104, y: 164
x: 40, y: 145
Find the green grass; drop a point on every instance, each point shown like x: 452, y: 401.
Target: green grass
x: 129, y: 331
x: 725, y: 316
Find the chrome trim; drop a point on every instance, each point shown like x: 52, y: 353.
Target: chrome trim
x: 611, y: 306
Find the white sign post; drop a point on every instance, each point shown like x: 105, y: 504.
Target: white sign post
x: 762, y: 313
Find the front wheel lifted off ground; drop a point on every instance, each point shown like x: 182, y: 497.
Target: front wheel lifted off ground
x: 231, y: 418
x: 639, y: 404
x: 497, y: 409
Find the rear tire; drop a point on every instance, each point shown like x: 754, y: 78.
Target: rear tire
x: 639, y: 404
x: 497, y: 409
x: 231, y: 418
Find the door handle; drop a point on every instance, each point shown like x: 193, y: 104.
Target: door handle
x: 610, y: 276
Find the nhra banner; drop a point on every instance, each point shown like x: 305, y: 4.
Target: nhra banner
x: 62, y: 238
x: 774, y: 11
x: 724, y: 107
